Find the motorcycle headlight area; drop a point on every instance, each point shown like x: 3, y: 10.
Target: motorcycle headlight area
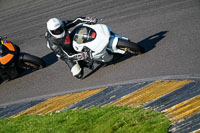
x: 84, y: 34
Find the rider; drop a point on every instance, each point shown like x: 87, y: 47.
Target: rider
x: 59, y: 40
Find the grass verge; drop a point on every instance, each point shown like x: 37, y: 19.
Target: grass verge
x: 109, y: 119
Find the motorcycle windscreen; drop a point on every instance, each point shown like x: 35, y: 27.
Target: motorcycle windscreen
x: 84, y: 35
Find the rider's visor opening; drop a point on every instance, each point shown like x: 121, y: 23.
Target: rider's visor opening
x: 57, y: 31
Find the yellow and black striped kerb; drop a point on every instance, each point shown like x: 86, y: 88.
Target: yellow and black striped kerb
x: 178, y: 99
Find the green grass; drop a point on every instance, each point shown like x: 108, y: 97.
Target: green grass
x: 110, y: 119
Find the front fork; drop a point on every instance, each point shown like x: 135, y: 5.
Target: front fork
x: 112, y: 46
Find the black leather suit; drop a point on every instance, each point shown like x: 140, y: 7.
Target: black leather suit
x: 57, y: 45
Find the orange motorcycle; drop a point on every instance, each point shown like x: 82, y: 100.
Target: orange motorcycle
x: 13, y: 62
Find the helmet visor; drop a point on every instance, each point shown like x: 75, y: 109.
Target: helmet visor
x: 57, y: 31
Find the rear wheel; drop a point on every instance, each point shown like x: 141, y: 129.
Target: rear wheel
x: 130, y: 47
x: 28, y: 61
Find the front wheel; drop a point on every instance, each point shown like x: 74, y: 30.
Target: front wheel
x: 130, y: 47
x: 28, y: 61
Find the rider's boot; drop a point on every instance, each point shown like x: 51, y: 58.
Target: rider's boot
x: 77, y: 71
x: 79, y: 75
x: 75, y: 68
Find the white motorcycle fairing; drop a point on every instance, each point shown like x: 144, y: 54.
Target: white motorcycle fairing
x: 100, y: 44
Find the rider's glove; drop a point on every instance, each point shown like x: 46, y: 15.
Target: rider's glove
x: 89, y: 53
x: 82, y: 56
x: 91, y: 20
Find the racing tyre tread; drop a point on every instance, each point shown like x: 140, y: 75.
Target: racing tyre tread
x: 33, y: 60
x: 128, y: 44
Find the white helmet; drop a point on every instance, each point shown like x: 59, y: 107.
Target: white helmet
x: 55, y: 27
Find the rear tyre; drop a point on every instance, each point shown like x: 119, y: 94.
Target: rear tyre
x: 130, y: 47
x: 28, y: 61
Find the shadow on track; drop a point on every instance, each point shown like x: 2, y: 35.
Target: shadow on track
x: 93, y: 71
x: 50, y: 59
x: 148, y: 44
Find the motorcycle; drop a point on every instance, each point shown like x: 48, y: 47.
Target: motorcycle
x: 101, y: 43
x: 13, y: 62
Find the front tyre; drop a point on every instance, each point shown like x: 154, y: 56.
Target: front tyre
x: 28, y: 61
x: 130, y: 47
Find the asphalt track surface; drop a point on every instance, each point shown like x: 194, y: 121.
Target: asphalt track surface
x: 168, y: 29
